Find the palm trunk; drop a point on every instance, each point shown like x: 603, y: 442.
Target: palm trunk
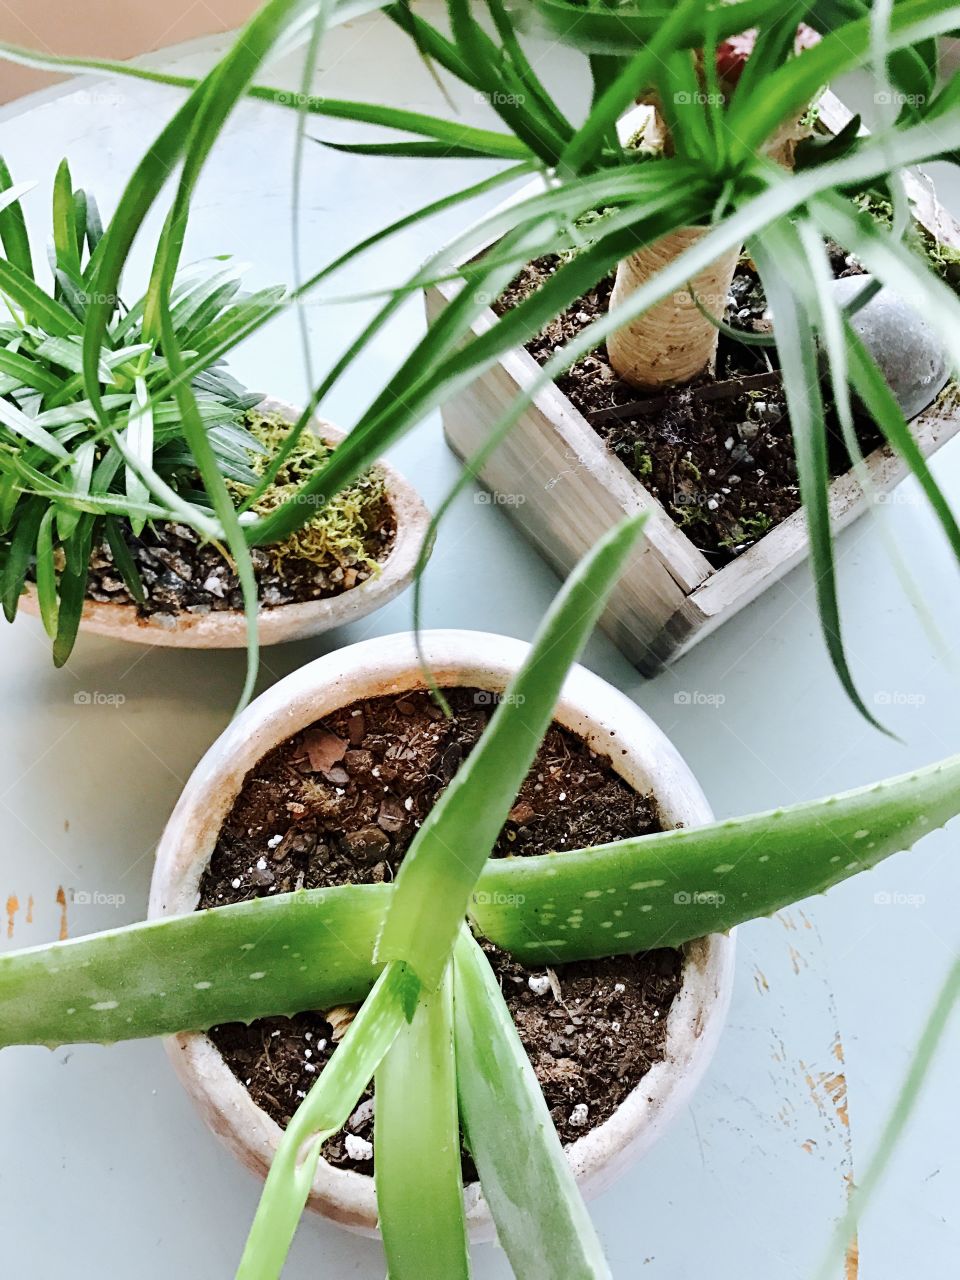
x: 673, y: 341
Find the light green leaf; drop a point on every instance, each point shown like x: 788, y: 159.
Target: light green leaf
x: 417, y: 1148
x: 542, y: 1223
x: 441, y: 867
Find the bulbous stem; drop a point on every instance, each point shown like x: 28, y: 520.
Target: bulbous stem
x: 673, y: 341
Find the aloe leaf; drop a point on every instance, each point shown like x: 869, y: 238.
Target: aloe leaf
x: 417, y: 1148
x: 511, y: 1136
x: 277, y: 955
x: 441, y: 867
x: 323, y: 1112
x: 669, y: 888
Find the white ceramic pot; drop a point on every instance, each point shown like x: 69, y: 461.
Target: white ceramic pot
x: 591, y: 708
x: 228, y: 629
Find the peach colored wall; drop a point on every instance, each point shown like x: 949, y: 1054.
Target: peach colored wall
x: 106, y: 28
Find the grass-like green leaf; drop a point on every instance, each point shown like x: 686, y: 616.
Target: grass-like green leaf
x: 668, y: 888
x: 47, y: 574
x: 777, y: 255
x: 13, y: 225
x: 441, y: 867
x: 417, y: 1147
x: 322, y: 1113
x: 511, y: 1137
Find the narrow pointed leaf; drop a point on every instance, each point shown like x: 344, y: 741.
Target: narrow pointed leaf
x: 324, y: 1111
x: 417, y: 1148
x: 441, y: 867
x: 511, y: 1135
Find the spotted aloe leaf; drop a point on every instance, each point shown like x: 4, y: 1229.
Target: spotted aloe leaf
x: 270, y: 956
x: 441, y: 867
x: 665, y: 889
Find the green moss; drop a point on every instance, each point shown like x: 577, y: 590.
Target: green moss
x: 748, y: 529
x: 586, y: 231
x: 943, y: 259
x: 642, y: 461
x: 810, y: 116
x: 339, y: 535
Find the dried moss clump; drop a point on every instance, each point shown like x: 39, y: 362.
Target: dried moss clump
x: 344, y: 531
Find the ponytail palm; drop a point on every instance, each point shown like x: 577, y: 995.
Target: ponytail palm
x: 711, y: 189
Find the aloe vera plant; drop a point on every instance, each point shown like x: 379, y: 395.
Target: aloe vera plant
x: 433, y: 1027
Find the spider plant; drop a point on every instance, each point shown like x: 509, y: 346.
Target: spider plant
x: 69, y: 481
x: 431, y: 1009
x: 714, y: 176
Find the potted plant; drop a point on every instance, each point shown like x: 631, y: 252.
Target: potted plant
x: 746, y: 465
x: 433, y: 1025
x: 350, y: 721
x: 608, y: 199
x: 110, y: 523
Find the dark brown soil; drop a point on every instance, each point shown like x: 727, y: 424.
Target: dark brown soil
x: 724, y: 468
x: 182, y: 575
x: 340, y: 803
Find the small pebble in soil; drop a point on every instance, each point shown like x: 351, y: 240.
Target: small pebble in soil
x: 579, y: 1115
x: 539, y: 984
x: 358, y: 1148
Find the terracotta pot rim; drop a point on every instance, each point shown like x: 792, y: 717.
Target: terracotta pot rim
x: 278, y: 623
x: 588, y: 706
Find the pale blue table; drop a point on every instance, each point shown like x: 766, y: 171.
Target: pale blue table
x: 106, y: 1170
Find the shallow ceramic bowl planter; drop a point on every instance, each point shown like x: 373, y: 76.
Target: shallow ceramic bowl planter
x: 563, y: 487
x: 227, y: 629
x: 589, y: 707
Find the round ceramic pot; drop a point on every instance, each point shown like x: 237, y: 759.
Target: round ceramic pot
x: 611, y: 724
x: 279, y: 623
